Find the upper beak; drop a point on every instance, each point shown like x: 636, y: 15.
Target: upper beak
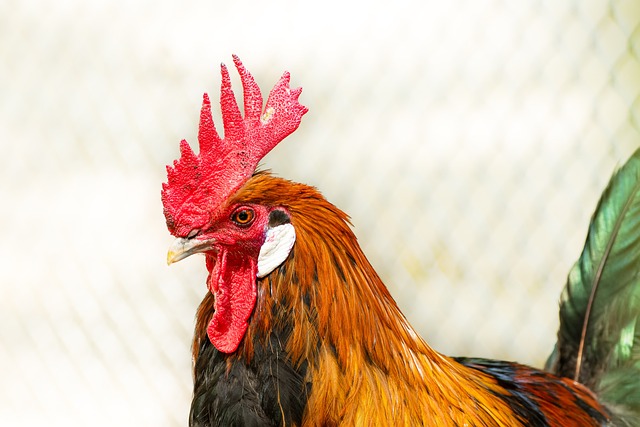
x: 182, y: 248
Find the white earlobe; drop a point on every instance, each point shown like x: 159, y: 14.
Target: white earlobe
x: 275, y: 248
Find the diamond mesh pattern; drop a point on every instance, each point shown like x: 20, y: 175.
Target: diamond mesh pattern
x: 468, y: 140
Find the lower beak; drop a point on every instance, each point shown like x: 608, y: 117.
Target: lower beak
x: 182, y: 248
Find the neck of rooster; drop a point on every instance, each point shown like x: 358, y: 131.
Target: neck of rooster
x: 362, y: 357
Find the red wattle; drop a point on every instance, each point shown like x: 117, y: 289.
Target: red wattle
x: 233, y: 282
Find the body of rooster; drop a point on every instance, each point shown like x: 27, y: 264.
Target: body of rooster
x: 298, y: 329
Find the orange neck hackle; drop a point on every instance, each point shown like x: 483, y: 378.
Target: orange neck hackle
x: 364, y: 357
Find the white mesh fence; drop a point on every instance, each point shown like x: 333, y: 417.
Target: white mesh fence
x: 468, y: 140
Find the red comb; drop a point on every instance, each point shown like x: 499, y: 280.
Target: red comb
x: 199, y: 184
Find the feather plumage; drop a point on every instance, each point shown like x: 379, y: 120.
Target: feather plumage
x: 599, y: 336
x: 326, y: 321
x: 314, y: 338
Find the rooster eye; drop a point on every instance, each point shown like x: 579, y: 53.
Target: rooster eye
x: 243, y: 216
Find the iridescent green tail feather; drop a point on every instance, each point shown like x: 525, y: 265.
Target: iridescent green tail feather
x: 599, y: 336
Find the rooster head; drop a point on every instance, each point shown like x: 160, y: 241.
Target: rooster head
x: 241, y: 242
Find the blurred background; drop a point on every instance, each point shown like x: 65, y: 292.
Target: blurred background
x: 469, y: 140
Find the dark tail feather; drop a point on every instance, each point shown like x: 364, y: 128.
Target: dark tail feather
x: 599, y: 336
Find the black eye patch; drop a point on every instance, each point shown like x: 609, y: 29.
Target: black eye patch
x: 277, y: 218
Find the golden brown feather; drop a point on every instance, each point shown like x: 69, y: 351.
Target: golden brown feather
x: 366, y: 364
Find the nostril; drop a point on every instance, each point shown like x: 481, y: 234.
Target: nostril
x: 193, y: 233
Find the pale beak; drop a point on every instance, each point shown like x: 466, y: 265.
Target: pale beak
x: 182, y: 248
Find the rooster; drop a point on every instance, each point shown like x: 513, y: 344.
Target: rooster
x: 299, y: 330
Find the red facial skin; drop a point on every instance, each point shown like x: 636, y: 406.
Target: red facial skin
x: 198, y: 194
x: 232, y: 263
